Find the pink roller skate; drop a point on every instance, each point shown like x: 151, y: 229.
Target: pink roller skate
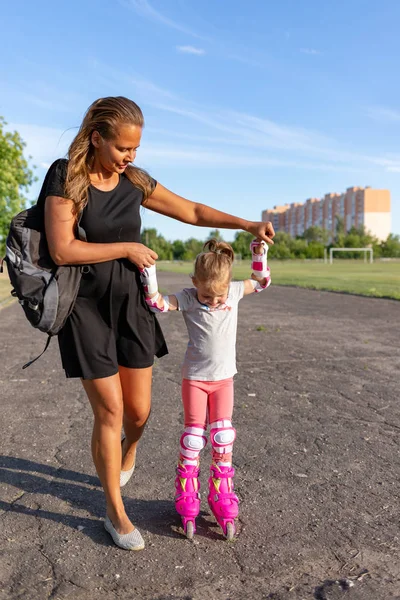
x: 187, y: 496
x: 222, y: 500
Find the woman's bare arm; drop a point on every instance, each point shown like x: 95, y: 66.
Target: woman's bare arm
x: 167, y: 203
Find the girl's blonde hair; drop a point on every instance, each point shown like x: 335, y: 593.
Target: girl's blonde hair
x: 105, y: 116
x: 213, y: 267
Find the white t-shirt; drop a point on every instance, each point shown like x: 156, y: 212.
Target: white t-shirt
x: 211, y: 351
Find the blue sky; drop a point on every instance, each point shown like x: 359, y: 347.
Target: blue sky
x: 247, y: 104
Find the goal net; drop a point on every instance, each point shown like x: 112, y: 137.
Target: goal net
x: 365, y: 250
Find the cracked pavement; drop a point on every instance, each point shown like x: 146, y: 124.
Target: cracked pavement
x: 316, y: 456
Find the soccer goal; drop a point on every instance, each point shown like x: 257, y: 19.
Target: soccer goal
x: 365, y: 250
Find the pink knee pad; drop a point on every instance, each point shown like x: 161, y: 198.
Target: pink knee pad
x: 192, y: 441
x: 259, y: 261
x: 222, y: 436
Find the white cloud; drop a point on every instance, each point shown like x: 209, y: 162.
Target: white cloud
x: 112, y: 80
x: 383, y: 114
x: 255, y: 137
x: 254, y: 132
x: 44, y: 144
x: 246, y: 60
x: 391, y: 163
x: 45, y: 96
x: 151, y: 155
x: 311, y: 51
x: 144, y: 9
x: 212, y: 136
x: 190, y: 50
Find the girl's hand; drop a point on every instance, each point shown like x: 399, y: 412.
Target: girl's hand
x: 261, y: 280
x: 262, y: 231
x: 258, y: 249
x: 140, y: 255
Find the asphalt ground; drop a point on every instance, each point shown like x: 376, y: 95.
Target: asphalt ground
x: 317, y: 464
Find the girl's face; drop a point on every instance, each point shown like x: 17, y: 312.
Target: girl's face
x: 115, y: 155
x: 210, y: 298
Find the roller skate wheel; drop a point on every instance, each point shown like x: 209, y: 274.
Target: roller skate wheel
x: 189, y: 530
x: 230, y: 532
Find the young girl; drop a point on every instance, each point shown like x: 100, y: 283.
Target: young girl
x: 210, y: 310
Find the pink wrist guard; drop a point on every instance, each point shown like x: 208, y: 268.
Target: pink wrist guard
x: 148, y: 277
x: 257, y: 285
x: 259, y: 261
x: 158, y: 303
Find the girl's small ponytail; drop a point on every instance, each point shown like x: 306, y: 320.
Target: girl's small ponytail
x: 217, y: 247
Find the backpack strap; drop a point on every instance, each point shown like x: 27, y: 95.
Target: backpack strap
x: 81, y: 231
x: 28, y: 364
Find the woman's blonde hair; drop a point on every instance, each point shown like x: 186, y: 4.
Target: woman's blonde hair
x: 213, y: 267
x: 105, y: 116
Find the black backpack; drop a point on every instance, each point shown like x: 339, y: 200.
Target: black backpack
x: 46, y: 292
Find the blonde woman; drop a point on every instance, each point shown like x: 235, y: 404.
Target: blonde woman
x: 110, y: 339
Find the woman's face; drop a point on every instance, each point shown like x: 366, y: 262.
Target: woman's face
x: 114, y: 155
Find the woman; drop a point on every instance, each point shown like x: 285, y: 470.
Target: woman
x: 110, y: 339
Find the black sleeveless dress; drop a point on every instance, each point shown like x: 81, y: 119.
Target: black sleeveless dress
x: 111, y: 324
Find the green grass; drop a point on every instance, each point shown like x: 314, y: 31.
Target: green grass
x: 380, y: 280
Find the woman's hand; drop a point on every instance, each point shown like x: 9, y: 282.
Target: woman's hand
x: 261, y: 231
x: 140, y: 255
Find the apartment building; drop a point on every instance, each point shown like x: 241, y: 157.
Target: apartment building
x: 356, y: 206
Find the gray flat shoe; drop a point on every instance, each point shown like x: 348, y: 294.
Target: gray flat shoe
x: 127, y: 541
x: 125, y: 476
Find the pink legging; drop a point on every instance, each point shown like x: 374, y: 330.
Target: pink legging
x: 205, y: 402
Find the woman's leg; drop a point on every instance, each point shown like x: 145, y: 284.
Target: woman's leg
x: 136, y: 398
x: 105, y: 396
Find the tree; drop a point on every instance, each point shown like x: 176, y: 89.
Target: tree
x: 15, y: 178
x: 391, y: 246
x: 178, y: 250
x: 215, y: 234
x: 241, y: 244
x: 193, y: 247
x: 315, y: 250
x: 340, y: 232
x: 282, y: 246
x: 299, y: 248
x: 152, y: 239
x: 316, y: 234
